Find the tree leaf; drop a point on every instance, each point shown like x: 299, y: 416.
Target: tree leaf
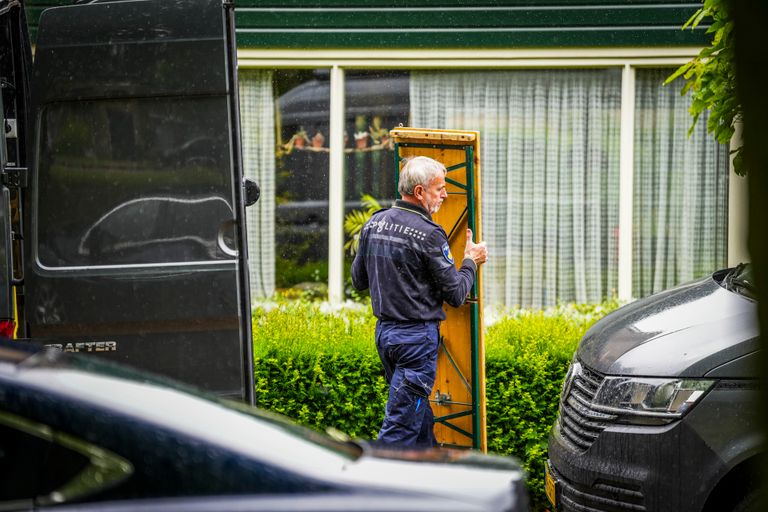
x: 710, y: 76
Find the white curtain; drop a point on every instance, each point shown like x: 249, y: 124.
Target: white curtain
x: 680, y: 188
x: 257, y: 117
x: 549, y: 170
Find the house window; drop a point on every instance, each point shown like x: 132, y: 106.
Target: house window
x: 375, y: 102
x: 300, y: 154
x: 680, y: 189
x: 552, y: 185
x: 549, y: 144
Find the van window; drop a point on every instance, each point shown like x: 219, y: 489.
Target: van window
x: 133, y: 181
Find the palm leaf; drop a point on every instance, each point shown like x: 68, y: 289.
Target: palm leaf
x: 356, y: 219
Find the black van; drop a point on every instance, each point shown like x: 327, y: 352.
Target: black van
x: 122, y: 195
x: 659, y: 409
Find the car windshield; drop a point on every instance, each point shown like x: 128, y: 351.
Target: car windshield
x: 338, y: 441
x: 740, y: 280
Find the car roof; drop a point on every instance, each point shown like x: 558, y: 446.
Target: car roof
x: 118, y: 391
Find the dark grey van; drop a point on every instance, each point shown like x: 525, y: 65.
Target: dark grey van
x: 659, y: 409
x: 122, y: 195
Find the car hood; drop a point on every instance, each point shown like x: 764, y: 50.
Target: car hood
x: 145, y: 408
x: 495, y: 483
x: 689, y: 331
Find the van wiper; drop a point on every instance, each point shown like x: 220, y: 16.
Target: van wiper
x: 745, y: 288
x: 739, y: 280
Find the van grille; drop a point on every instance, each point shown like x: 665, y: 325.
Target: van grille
x: 580, y: 423
x: 601, y: 497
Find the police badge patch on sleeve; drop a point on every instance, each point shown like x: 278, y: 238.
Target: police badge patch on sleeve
x: 447, y: 253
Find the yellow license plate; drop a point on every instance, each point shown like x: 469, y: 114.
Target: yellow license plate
x: 549, y: 488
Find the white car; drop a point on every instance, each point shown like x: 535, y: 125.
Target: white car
x: 77, y: 432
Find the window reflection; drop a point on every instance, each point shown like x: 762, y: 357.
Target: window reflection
x: 376, y: 102
x: 139, y: 181
x: 301, y: 177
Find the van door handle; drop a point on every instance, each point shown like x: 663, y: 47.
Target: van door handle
x: 225, y: 226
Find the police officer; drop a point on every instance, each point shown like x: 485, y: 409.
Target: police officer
x: 404, y: 258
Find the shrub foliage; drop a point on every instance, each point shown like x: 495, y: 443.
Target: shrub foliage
x: 320, y: 367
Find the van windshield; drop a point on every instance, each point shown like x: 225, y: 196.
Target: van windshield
x: 740, y: 280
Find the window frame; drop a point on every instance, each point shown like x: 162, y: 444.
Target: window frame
x: 104, y: 468
x: 226, y: 261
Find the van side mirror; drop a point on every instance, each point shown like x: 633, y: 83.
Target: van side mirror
x: 252, y: 191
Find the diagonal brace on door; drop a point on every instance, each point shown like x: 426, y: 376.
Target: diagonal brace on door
x: 453, y: 363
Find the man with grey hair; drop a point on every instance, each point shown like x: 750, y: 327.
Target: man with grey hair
x: 405, y: 260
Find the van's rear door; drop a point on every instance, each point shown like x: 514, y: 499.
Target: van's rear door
x: 137, y: 239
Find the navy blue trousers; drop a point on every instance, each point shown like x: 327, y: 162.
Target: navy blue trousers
x: 408, y: 352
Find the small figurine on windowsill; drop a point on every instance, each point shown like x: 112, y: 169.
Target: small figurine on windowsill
x: 361, y: 136
x: 300, y: 138
x: 318, y: 140
x: 379, y: 134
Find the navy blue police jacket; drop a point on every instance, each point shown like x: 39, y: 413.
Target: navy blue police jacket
x: 404, y: 258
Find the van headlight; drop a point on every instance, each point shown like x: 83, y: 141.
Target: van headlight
x: 645, y: 400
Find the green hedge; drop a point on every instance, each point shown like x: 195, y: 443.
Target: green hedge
x: 320, y: 367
